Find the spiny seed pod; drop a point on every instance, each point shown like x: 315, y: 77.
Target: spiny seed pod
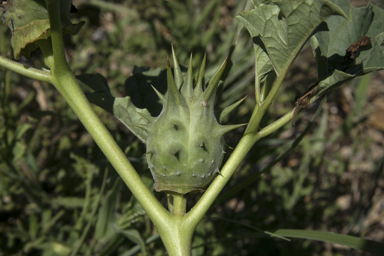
x: 185, y: 144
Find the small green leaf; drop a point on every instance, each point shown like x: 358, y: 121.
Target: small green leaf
x: 122, y: 108
x: 129, y: 115
x: 18, y: 151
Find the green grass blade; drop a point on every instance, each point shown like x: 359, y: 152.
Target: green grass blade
x: 134, y: 236
x: 262, y: 232
x: 136, y: 248
x: 350, y: 241
x: 93, y: 214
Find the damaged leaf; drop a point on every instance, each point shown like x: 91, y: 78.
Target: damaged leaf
x: 346, y: 49
x: 28, y: 22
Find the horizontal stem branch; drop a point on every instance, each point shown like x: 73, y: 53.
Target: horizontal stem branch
x: 276, y: 125
x: 24, y: 70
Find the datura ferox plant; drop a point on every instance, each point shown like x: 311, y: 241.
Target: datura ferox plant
x: 184, y: 143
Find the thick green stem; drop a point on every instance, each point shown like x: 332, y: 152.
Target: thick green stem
x: 66, y: 84
x: 177, y: 236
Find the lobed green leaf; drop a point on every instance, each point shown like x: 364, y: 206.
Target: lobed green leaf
x: 281, y: 28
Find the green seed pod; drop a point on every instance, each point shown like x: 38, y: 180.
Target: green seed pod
x: 185, y: 144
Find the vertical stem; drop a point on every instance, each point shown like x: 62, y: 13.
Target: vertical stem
x: 177, y: 238
x: 179, y: 204
x: 66, y: 84
x: 256, y: 118
x: 60, y: 62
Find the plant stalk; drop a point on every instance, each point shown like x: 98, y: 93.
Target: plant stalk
x: 65, y: 82
x: 177, y: 236
x: 179, y: 204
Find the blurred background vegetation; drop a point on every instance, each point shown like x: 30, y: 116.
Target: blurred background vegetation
x: 60, y: 196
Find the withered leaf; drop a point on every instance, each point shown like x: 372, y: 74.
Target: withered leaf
x: 356, y: 46
x: 352, y: 53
